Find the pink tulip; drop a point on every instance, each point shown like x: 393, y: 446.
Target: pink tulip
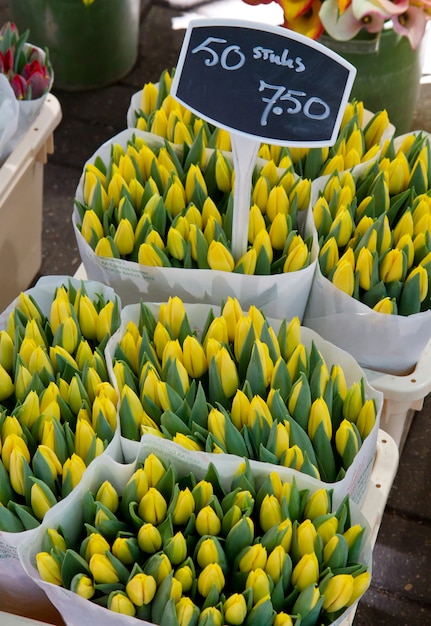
x: 37, y: 78
x: 19, y: 86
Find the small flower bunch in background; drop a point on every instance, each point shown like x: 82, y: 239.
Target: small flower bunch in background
x: 57, y: 406
x: 237, y: 387
x: 26, y: 67
x: 157, y: 207
x: 344, y: 20
x: 375, y: 231
x: 173, y: 549
x: 159, y: 113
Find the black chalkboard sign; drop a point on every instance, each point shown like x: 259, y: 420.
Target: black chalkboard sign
x: 264, y: 81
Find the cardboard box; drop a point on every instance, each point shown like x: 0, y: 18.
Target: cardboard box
x: 21, y: 203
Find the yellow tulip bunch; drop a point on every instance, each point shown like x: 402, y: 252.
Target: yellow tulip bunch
x: 154, y: 206
x: 57, y: 406
x: 375, y: 230
x: 358, y: 141
x: 239, y: 388
x: 175, y: 549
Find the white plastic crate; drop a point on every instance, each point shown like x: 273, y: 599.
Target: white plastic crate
x: 403, y: 396
x: 21, y: 203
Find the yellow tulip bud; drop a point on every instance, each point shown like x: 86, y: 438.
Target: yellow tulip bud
x: 366, y: 418
x: 256, y: 223
x: 364, y: 266
x: 152, y: 507
x: 343, y: 277
x: 278, y: 202
x: 102, y: 569
x: 73, y: 469
x: 6, y: 384
x: 235, y: 609
x: 361, y: 582
x: 243, y: 326
x: 259, y: 411
x: 220, y: 258
x: 95, y: 544
x: 262, y: 240
x: 149, y: 538
x: 194, y: 177
x: 118, y: 602
x: 317, y: 504
x: 254, y: 557
x: 278, y: 231
x: 185, y: 576
x: 423, y: 280
x: 306, y: 571
x: 376, y: 128
x: 49, y: 568
x: 211, y: 575
x: 186, y: 611
x: 124, y: 237
x: 184, y: 507
x: 261, y: 192
x: 282, y: 619
x: 338, y: 592
x: 319, y: 414
x: 91, y: 227
x: 83, y: 586
x: 207, y: 522
x: 6, y: 351
x: 258, y: 582
x: 353, y: 402
x: 275, y: 563
x: 227, y: 371
x: 270, y: 512
x: 187, y: 442
x: 301, y: 192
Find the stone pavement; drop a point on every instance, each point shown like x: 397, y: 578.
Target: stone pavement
x: 400, y: 594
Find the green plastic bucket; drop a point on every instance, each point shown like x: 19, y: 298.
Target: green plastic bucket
x: 90, y: 46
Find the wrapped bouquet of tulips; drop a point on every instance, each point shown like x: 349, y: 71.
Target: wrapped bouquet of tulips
x: 26, y: 77
x: 58, y: 410
x: 171, y: 540
x: 227, y: 381
x: 154, y: 219
x: 371, y: 292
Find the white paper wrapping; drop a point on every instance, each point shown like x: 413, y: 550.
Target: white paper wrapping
x: 281, y: 295
x: 14, y: 583
x: 76, y: 610
x: 386, y: 343
x: 357, y: 476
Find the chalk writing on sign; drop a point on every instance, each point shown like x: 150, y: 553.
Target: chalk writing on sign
x: 273, y: 84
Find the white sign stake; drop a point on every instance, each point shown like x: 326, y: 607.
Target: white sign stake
x: 245, y: 149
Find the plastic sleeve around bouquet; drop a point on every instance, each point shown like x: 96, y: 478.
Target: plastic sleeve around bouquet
x: 386, y: 343
x: 280, y: 295
x: 9, y: 111
x: 356, y: 479
x: 27, y: 110
x: 77, y: 610
x: 14, y: 584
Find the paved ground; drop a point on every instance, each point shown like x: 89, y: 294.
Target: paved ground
x: 400, y: 594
